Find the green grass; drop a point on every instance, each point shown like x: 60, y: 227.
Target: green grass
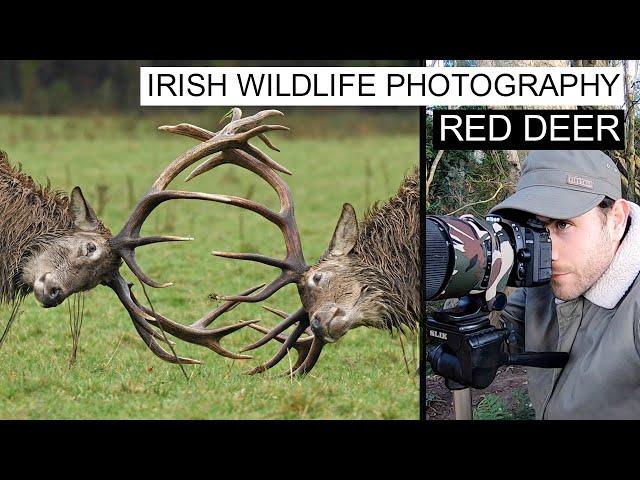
x: 493, y: 407
x: 115, y: 375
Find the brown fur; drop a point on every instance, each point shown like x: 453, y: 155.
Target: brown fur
x: 31, y: 216
x: 388, y: 248
x: 386, y: 254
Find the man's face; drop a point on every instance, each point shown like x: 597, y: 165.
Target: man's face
x: 583, y: 248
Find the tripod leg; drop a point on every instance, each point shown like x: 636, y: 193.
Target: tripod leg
x: 462, y: 404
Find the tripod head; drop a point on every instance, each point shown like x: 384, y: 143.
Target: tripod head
x: 471, y: 350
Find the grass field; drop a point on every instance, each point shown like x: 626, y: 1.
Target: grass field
x: 115, y: 376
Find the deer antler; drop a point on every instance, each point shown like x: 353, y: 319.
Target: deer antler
x: 292, y: 266
x: 308, y: 348
x: 234, y: 135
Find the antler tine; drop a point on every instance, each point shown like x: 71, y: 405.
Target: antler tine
x: 236, y: 113
x: 308, y: 348
x: 254, y: 257
x: 233, y: 135
x: 280, y: 354
x: 267, y: 142
x: 238, y: 124
x: 299, y: 315
x: 227, y: 306
x: 275, y: 311
x: 159, y: 351
x: 139, y: 318
x: 139, y: 242
x: 302, y: 345
x: 283, y: 314
x: 284, y: 279
x: 311, y: 358
x: 203, y: 135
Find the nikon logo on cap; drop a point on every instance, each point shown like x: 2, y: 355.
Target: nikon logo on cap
x: 579, y: 181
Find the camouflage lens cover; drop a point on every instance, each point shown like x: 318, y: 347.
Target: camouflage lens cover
x: 482, y: 257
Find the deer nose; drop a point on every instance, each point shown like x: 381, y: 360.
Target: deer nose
x: 52, y: 295
x: 54, y: 292
x: 316, y: 324
x: 321, y: 320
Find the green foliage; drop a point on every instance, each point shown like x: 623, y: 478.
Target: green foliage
x: 523, y: 410
x: 465, y: 180
x: 115, y: 375
x: 492, y: 407
x: 431, y: 153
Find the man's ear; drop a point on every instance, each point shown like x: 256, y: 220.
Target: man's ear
x: 84, y: 217
x: 620, y: 211
x: 346, y: 233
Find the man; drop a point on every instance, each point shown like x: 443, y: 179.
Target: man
x: 591, y: 308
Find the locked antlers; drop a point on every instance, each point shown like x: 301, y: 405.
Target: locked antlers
x: 231, y: 141
x: 292, y: 266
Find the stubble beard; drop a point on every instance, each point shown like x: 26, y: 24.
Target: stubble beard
x: 590, y: 270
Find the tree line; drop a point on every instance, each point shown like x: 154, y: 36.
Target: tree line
x: 71, y: 86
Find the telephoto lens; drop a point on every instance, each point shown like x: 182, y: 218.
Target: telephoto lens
x: 460, y: 253
x: 439, y: 260
x: 467, y: 255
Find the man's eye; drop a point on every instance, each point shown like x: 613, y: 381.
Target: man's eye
x: 562, y: 225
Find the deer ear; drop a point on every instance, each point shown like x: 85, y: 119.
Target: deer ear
x: 346, y: 233
x: 84, y: 217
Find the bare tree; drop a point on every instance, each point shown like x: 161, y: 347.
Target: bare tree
x: 629, y: 152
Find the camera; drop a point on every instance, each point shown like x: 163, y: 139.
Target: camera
x: 474, y: 260
x: 466, y: 255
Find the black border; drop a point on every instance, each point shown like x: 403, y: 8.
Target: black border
x: 423, y: 261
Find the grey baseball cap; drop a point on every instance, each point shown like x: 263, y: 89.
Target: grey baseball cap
x: 563, y: 184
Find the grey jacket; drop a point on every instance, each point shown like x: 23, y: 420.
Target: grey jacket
x: 601, y: 332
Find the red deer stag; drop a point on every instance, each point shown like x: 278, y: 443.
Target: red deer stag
x: 368, y: 276
x: 55, y: 246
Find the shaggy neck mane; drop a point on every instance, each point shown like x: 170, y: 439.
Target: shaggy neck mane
x: 388, y: 249
x: 30, y: 216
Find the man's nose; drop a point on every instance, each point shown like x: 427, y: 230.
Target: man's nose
x: 555, y: 247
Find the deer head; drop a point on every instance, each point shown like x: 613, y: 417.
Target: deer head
x: 337, y: 292
x: 77, y: 261
x: 89, y: 255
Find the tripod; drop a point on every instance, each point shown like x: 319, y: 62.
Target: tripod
x: 471, y: 350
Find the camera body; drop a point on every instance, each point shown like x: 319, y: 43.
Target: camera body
x: 532, y: 246
x: 475, y: 260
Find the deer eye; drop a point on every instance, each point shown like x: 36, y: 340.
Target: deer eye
x: 317, y: 277
x: 91, y: 247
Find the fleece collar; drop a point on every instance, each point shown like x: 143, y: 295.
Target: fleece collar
x: 616, y: 280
